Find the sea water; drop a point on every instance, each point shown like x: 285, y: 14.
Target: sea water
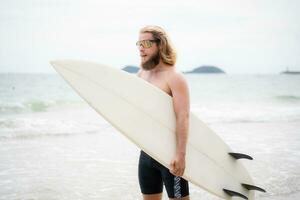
x: 54, y: 146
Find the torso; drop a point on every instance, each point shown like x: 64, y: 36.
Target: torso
x: 158, y: 79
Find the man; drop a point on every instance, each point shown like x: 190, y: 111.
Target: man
x: 158, y: 59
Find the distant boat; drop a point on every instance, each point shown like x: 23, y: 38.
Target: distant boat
x: 287, y: 71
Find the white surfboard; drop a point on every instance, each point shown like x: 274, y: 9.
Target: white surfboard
x: 145, y: 115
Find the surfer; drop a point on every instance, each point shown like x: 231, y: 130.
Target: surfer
x: 158, y: 58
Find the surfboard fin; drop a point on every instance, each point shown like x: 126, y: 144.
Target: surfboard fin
x: 233, y: 193
x: 252, y: 187
x: 240, y: 156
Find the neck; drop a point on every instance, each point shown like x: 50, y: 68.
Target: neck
x: 160, y: 67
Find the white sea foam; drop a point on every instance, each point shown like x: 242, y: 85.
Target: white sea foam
x: 53, y: 146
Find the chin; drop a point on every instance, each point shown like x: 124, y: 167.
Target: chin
x: 143, y: 62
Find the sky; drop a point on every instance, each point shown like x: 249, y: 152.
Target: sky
x: 240, y: 37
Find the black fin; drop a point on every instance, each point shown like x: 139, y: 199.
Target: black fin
x: 252, y: 187
x: 240, y: 156
x: 233, y: 193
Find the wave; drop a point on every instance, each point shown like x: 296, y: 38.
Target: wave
x: 30, y: 135
x: 287, y: 98
x: 22, y: 129
x: 271, y: 120
x: 252, y: 120
x: 46, y: 125
x: 34, y: 106
x: 258, y: 114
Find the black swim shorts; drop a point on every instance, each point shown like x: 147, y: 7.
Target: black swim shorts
x: 152, y: 176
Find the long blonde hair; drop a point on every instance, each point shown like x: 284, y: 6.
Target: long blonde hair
x: 167, y: 51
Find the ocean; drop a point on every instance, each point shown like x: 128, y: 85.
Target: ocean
x: 54, y: 146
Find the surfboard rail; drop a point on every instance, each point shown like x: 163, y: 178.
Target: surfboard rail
x: 119, y: 97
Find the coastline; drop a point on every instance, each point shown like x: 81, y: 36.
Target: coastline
x: 97, y: 162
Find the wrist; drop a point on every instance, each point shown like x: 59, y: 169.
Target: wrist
x: 180, y: 153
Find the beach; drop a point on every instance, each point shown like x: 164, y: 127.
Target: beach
x: 54, y: 146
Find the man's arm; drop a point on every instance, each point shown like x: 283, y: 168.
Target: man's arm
x: 181, y: 104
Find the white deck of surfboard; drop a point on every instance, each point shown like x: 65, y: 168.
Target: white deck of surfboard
x: 145, y: 115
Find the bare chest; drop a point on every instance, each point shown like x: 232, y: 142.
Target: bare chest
x: 159, y: 81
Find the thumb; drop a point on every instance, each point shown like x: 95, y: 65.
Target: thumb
x: 172, y: 164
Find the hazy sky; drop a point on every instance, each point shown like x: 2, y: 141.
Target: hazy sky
x: 239, y: 36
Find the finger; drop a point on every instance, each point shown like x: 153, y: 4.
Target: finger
x: 177, y: 172
x: 173, y: 171
x: 172, y: 166
x: 172, y: 163
x: 180, y: 173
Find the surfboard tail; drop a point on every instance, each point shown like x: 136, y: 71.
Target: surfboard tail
x: 253, y: 187
x: 234, y: 194
x: 240, y: 156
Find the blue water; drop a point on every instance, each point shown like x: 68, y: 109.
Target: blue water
x: 221, y: 97
x: 53, y: 146
x: 21, y: 93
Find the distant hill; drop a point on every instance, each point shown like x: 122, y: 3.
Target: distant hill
x: 131, y: 69
x: 201, y: 69
x: 207, y: 69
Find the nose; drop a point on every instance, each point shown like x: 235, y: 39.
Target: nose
x: 141, y: 48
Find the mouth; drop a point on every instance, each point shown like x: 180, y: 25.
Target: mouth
x: 143, y: 57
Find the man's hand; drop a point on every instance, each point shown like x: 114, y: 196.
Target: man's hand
x: 177, y: 165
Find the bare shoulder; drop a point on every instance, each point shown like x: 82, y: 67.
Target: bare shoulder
x: 180, y: 91
x: 176, y: 77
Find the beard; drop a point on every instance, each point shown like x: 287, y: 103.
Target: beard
x: 151, y: 63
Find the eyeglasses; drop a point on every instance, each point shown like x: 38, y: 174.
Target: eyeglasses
x: 145, y: 43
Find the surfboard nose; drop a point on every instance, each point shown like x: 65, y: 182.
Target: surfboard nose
x: 57, y: 63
